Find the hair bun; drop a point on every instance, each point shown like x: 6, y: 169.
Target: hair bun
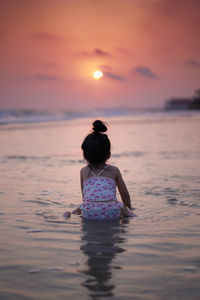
x: 99, y: 126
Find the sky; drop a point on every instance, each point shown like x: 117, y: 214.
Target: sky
x: 148, y: 51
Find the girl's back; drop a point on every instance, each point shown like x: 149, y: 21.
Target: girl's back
x: 99, y: 193
x: 103, y: 171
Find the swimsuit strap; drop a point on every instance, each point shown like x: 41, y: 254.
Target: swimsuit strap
x: 101, y: 171
x: 98, y: 173
x: 92, y: 173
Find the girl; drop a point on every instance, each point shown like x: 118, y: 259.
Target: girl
x: 99, y: 180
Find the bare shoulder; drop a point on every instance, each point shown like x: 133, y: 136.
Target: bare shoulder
x: 114, y: 170
x: 84, y: 172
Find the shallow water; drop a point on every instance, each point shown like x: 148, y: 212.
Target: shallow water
x: 154, y: 256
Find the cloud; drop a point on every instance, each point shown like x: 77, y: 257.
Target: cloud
x: 145, y: 72
x: 95, y: 52
x: 99, y: 52
x: 47, y: 37
x: 192, y: 63
x: 176, y: 7
x: 47, y: 77
x: 114, y: 76
x: 109, y: 73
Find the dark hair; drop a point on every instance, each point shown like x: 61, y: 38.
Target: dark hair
x: 96, y: 146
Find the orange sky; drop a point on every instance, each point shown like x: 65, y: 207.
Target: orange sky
x: 149, y: 51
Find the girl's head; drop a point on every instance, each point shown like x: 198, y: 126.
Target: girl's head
x: 96, y: 146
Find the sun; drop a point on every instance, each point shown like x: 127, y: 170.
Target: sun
x: 97, y: 74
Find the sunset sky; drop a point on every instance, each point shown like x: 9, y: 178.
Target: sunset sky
x: 148, y: 51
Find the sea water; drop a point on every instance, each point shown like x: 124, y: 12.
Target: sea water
x: 154, y: 256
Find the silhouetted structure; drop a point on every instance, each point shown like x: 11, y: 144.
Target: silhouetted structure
x: 184, y: 103
x: 195, y: 104
x: 178, y: 104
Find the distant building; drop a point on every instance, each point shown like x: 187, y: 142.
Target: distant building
x: 178, y: 104
x: 195, y: 104
x: 184, y: 103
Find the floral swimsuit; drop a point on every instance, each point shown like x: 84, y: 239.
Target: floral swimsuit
x: 99, y: 198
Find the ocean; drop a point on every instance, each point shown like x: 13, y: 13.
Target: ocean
x: 155, y: 256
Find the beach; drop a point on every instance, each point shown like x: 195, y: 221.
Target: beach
x: 154, y: 256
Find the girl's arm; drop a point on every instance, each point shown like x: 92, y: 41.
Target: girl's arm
x: 123, y: 190
x: 81, y: 181
x: 76, y: 211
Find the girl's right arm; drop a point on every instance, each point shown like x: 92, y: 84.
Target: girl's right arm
x: 76, y: 211
x: 81, y: 180
x: 123, y: 189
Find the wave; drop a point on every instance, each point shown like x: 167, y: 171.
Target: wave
x: 35, y: 116
x: 25, y: 116
x: 38, y: 116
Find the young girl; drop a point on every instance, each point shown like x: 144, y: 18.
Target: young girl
x: 99, y: 180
